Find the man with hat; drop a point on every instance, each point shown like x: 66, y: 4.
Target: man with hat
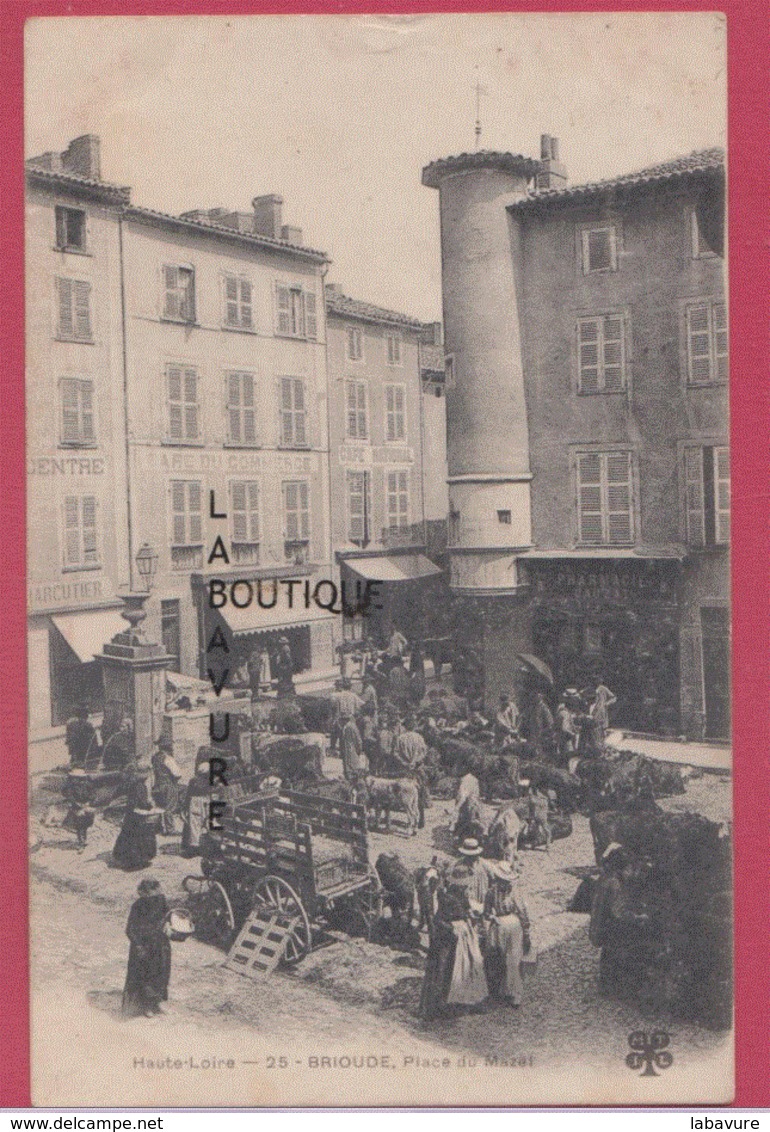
x: 78, y: 790
x: 166, y: 778
x: 81, y: 738
x: 506, y: 720
x: 283, y: 668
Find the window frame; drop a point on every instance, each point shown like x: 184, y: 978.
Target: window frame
x: 601, y: 318
x: 190, y: 318
x: 586, y: 231
x: 360, y: 385
x: 304, y: 517
x: 394, y: 337
x: 710, y: 305
x: 240, y: 281
x: 695, y: 238
x: 81, y: 385
x: 62, y: 334
x: 358, y: 333
x: 241, y: 408
x: 61, y: 210
x: 605, y: 510
x: 69, y: 567
x: 395, y: 385
x: 292, y: 441
x: 303, y: 318
x: 250, y: 513
x: 712, y: 519
x: 366, y: 514
x: 388, y: 472
x: 189, y: 543
x: 185, y: 404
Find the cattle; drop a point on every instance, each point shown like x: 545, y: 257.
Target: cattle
x: 503, y: 836
x: 290, y: 758
x: 399, y: 885
x: 385, y: 794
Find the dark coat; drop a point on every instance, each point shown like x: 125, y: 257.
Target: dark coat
x: 149, y: 956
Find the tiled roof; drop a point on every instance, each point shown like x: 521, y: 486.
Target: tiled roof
x: 150, y: 216
x: 690, y: 164
x: 514, y: 163
x: 339, y: 304
x: 106, y: 189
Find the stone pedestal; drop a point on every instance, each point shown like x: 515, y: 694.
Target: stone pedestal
x: 134, y: 674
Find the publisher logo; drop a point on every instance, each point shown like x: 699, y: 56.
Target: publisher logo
x: 649, y: 1052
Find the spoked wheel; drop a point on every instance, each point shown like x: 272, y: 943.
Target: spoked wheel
x: 278, y: 896
x: 210, y: 911
x: 359, y: 913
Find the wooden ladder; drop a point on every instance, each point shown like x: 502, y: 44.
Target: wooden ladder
x: 261, y: 942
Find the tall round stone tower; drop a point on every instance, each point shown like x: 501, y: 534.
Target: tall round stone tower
x: 487, y: 436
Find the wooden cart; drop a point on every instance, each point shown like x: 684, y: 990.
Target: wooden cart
x: 283, y: 865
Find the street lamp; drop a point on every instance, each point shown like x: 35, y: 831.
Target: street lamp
x: 147, y: 564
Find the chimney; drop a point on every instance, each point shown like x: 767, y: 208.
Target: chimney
x: 430, y: 334
x: 50, y: 161
x: 82, y: 157
x: 552, y: 174
x: 291, y: 235
x: 267, y: 216
x: 333, y: 289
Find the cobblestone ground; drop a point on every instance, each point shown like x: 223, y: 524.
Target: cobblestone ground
x: 348, y: 987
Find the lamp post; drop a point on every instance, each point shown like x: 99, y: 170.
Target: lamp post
x: 133, y: 668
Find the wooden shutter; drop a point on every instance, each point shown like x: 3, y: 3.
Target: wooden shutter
x: 195, y: 517
x: 70, y: 429
x: 618, y: 498
x: 87, y: 412
x: 249, y: 419
x: 588, y: 351
x: 61, y: 228
x: 304, y: 510
x: 357, y: 506
x: 231, y: 300
x: 234, y: 408
x: 82, y: 310
x: 613, y: 354
x: 240, y: 518
x: 178, y: 513
x: 694, y: 509
x: 699, y: 344
x: 71, y: 530
x: 589, y: 483
x: 190, y: 404
x: 311, y: 322
x: 720, y: 342
x: 171, y: 306
x: 290, y: 511
x: 187, y: 294
x: 175, y: 420
x: 283, y: 308
x: 721, y: 495
x: 599, y: 250
x: 352, y: 405
x: 300, y: 429
x: 66, y: 320
x: 246, y: 305
x: 90, y: 548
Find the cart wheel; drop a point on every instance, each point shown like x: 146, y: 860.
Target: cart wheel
x: 210, y: 910
x: 278, y: 895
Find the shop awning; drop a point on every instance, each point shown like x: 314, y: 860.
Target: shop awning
x: 402, y: 568
x: 88, y: 632
x: 254, y: 619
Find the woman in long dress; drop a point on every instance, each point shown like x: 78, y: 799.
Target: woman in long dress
x: 195, y: 810
x: 149, y: 954
x: 136, y: 844
x: 507, y: 935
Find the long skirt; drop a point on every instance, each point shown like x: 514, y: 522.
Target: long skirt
x: 438, y: 971
x: 469, y: 981
x: 149, y: 970
x: 136, y: 845
x: 195, y: 823
x: 505, y: 940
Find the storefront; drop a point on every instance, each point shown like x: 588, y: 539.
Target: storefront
x: 408, y: 593
x: 64, y: 671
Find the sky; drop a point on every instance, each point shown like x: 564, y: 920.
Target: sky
x: 339, y: 114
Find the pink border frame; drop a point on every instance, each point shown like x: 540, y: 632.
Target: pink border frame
x: 749, y: 160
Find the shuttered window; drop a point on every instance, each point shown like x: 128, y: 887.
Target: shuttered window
x: 186, y: 513
x: 354, y: 344
x: 81, y: 549
x: 397, y: 499
x: 295, y: 312
x: 600, y: 252
x: 74, y: 305
x: 293, y: 413
x: 77, y: 411
x: 395, y: 425
x: 356, y: 415
x: 179, y: 296
x: 241, y: 410
x: 601, y: 354
x: 296, y: 520
x: 393, y: 349
x: 605, y: 503
x: 70, y: 229
x: 183, y: 412
x: 244, y: 504
x: 707, y: 494
x: 359, y: 507
x: 238, y: 303
x: 707, y: 343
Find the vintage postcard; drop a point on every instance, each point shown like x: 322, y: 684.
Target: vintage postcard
x: 378, y: 484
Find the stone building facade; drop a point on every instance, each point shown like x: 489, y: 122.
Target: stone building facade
x: 587, y: 403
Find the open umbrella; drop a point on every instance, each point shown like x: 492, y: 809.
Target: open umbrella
x: 534, y: 664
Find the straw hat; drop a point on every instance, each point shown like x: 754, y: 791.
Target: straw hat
x: 470, y: 848
x: 78, y: 772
